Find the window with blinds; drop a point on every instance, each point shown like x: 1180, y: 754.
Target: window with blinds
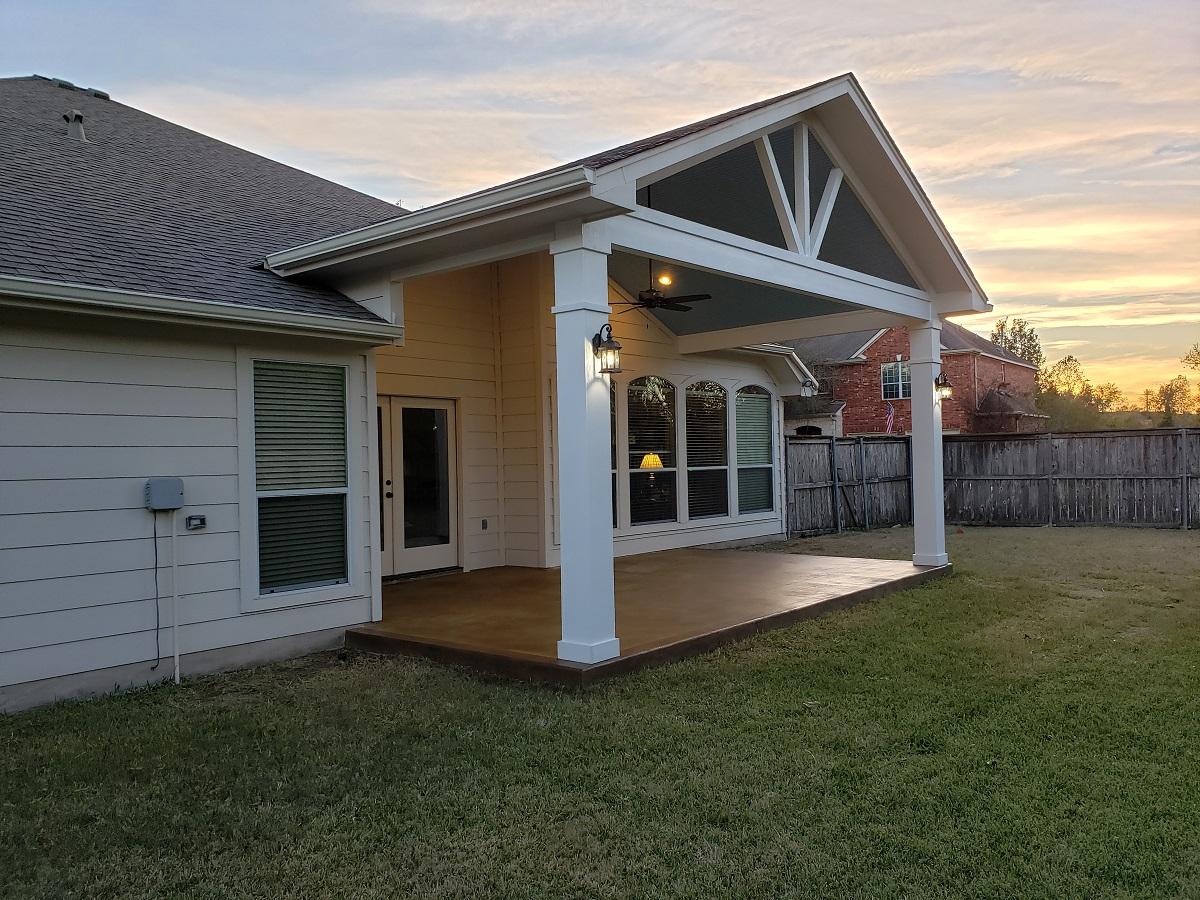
x: 651, y: 460
x: 300, y: 471
x: 754, y: 469
x: 707, y: 429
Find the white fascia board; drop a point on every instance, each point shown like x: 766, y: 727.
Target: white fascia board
x: 34, y: 293
x: 795, y: 365
x: 371, y: 238
x: 811, y: 326
x: 861, y: 352
x: 687, y: 243
x: 910, y: 180
x: 665, y: 160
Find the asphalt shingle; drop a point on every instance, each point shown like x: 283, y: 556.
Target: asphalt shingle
x: 147, y: 205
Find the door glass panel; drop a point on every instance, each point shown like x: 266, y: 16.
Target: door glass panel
x: 426, y: 477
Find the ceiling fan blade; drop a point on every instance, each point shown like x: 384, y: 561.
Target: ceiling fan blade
x: 674, y: 307
x: 689, y: 298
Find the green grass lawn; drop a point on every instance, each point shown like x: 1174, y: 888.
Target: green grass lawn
x: 1029, y: 727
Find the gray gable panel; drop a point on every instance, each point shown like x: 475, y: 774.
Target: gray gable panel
x: 854, y: 241
x: 148, y: 206
x: 734, y: 303
x: 728, y: 192
x: 819, y: 167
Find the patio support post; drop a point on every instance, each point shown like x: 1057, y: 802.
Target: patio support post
x: 929, y: 515
x: 584, y: 475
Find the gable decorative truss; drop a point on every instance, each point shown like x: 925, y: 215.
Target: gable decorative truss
x: 804, y: 196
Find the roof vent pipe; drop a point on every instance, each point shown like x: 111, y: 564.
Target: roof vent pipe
x: 74, y: 120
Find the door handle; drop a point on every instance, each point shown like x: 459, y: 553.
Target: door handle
x: 388, y: 495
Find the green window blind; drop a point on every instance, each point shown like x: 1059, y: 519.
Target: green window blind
x: 299, y: 426
x: 753, y: 420
x: 301, y: 541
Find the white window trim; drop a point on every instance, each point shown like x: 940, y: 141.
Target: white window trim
x: 248, y: 495
x: 904, y: 367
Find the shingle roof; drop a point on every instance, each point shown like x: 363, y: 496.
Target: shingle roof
x: 837, y: 348
x: 146, y: 205
x: 831, y: 348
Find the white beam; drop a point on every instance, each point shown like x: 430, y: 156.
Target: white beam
x: 824, y: 211
x: 779, y: 199
x: 657, y: 234
x: 788, y: 330
x: 582, y: 435
x: 800, y: 140
x: 929, y: 505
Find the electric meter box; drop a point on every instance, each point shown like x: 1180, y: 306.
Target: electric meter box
x: 164, y: 493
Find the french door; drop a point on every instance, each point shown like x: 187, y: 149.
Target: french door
x: 418, y: 473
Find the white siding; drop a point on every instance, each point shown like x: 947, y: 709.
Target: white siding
x: 85, y: 418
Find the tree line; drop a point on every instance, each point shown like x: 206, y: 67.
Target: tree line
x: 1074, y: 403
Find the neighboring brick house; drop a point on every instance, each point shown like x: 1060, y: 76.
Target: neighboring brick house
x: 862, y: 372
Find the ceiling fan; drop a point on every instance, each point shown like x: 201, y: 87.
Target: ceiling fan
x: 654, y: 298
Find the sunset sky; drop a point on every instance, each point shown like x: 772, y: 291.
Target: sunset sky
x: 1059, y: 141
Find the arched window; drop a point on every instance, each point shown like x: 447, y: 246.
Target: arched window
x: 707, y: 450
x: 753, y: 417
x: 652, y: 460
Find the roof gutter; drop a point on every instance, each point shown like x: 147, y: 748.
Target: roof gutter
x: 37, y: 294
x: 790, y: 358
x: 404, y: 229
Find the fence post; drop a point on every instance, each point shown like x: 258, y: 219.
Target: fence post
x: 1183, y: 478
x: 862, y: 472
x: 1049, y: 478
x: 837, y: 493
x: 912, y: 513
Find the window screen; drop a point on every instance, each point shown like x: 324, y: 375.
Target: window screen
x: 707, y: 451
x: 754, y: 465
x: 300, y: 474
x: 652, y: 461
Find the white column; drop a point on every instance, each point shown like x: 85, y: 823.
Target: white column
x: 929, y: 516
x: 584, y: 474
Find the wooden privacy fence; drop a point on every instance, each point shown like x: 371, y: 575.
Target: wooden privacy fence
x: 855, y: 482
x: 1127, y: 478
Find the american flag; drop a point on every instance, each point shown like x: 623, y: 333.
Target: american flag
x: 891, y: 419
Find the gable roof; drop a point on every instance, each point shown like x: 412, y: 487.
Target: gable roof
x: 148, y: 206
x: 848, y: 347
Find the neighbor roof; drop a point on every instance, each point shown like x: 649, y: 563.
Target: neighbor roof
x: 149, y: 206
x: 846, y: 347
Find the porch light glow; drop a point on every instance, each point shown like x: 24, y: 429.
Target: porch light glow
x: 607, y: 350
x: 664, y: 280
x: 942, y: 387
x: 651, y: 461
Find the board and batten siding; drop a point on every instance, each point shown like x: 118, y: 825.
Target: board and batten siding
x: 85, y: 419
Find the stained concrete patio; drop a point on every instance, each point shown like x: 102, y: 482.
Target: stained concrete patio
x: 669, y: 605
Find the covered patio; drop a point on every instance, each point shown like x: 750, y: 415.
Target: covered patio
x: 669, y: 605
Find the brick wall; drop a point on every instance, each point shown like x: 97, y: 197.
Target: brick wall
x: 972, y: 374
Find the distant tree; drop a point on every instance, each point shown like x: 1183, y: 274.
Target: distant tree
x: 1019, y: 338
x: 1173, y: 398
x: 1066, y: 377
x: 1108, y: 397
x: 1191, y: 359
x: 1149, y: 399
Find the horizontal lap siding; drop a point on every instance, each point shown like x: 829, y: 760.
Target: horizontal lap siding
x: 449, y: 353
x: 521, y: 301
x: 86, y: 419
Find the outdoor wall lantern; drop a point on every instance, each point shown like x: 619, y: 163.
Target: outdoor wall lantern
x: 808, y: 388
x: 607, y: 350
x: 942, y: 387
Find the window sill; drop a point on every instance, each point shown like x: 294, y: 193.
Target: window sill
x: 301, y: 597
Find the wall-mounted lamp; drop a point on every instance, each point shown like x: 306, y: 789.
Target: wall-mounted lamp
x: 607, y: 350
x: 808, y: 388
x: 942, y: 387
